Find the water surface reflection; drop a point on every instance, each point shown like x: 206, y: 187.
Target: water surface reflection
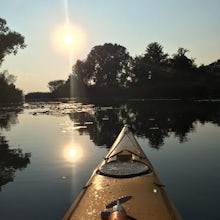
x: 151, y: 120
x: 68, y: 140
x: 11, y: 160
x: 72, y: 153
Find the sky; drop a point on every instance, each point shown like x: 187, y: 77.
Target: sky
x: 49, y: 55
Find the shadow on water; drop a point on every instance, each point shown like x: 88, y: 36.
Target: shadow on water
x: 11, y: 160
x: 152, y: 120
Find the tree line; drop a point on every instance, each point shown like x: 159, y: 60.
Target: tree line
x: 109, y: 71
x: 10, y: 43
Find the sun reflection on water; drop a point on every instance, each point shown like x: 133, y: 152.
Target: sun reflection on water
x: 72, y: 153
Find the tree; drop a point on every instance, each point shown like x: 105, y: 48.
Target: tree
x: 140, y: 70
x: 10, y: 41
x: 155, y: 55
x: 81, y: 71
x: 9, y: 93
x: 108, y: 65
x: 155, y: 61
x: 54, y: 85
x: 181, y: 61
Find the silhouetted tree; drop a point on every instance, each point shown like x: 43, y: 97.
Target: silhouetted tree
x: 155, y: 55
x: 155, y: 61
x: 109, y: 71
x: 106, y: 66
x: 10, y: 41
x: 150, y: 71
x: 214, y: 67
x: 81, y: 70
x: 9, y: 93
x: 181, y: 61
x: 140, y: 71
x: 54, y: 85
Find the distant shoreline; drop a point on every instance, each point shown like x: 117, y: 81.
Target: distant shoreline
x: 113, y: 99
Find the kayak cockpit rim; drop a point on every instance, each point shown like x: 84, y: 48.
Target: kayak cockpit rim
x: 124, y: 169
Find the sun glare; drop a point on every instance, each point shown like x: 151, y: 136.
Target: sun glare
x: 69, y: 38
x: 73, y: 153
x: 66, y: 39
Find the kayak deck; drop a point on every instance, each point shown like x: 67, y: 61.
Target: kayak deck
x: 125, y: 171
x: 148, y: 201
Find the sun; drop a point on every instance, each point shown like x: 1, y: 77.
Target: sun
x: 67, y: 38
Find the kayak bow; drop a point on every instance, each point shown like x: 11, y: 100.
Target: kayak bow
x: 124, y: 174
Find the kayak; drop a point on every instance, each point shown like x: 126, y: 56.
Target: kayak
x: 123, y: 186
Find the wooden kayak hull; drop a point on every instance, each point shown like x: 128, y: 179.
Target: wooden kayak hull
x: 149, y: 199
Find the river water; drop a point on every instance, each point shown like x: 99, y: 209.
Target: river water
x: 49, y: 150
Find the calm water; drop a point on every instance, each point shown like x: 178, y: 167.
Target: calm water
x: 49, y: 150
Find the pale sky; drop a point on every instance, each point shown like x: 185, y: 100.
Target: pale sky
x: 191, y: 24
